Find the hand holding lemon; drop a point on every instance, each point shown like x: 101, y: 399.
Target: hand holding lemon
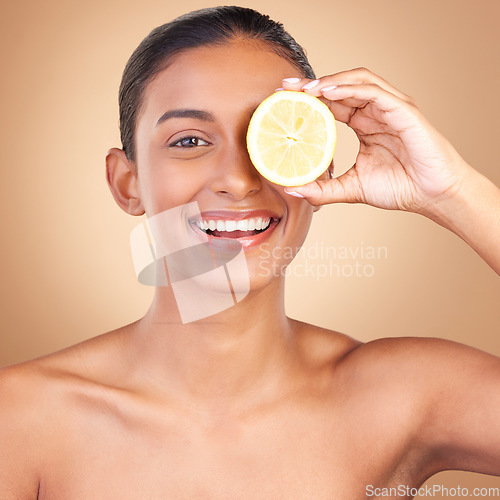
x: 403, y: 162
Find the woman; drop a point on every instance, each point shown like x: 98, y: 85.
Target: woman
x: 248, y: 403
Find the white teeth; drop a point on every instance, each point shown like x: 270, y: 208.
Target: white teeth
x: 242, y: 225
x: 258, y: 223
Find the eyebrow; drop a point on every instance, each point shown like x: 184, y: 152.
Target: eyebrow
x: 186, y: 113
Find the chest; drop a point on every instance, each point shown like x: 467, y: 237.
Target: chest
x: 283, y: 456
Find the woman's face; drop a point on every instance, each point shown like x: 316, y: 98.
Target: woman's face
x: 191, y: 147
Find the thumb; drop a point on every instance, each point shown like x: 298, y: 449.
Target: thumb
x: 345, y: 188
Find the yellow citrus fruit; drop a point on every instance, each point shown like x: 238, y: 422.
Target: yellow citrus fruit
x: 291, y: 138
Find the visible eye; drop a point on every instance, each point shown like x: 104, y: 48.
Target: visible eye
x: 189, y: 142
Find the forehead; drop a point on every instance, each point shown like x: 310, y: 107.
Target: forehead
x: 236, y: 75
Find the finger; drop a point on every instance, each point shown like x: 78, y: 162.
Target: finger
x: 364, y: 75
x: 346, y: 188
x: 343, y: 109
x: 382, y: 104
x: 354, y: 77
x: 295, y: 83
x: 341, y: 112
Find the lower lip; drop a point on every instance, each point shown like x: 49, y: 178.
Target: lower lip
x: 246, y: 241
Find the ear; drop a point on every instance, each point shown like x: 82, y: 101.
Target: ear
x: 121, y: 175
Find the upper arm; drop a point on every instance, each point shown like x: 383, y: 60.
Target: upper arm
x: 462, y: 407
x: 19, y: 441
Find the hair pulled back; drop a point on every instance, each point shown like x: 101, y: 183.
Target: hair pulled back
x: 212, y: 26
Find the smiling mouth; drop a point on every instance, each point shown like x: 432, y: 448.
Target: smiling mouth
x: 242, y: 228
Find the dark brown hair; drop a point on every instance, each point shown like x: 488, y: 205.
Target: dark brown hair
x: 213, y: 26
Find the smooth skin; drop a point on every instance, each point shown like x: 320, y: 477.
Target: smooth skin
x: 250, y: 403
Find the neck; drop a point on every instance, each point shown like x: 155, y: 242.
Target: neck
x: 246, y: 351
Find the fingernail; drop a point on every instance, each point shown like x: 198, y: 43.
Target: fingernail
x: 281, y: 88
x: 326, y: 89
x: 291, y: 80
x: 294, y: 193
x: 310, y: 85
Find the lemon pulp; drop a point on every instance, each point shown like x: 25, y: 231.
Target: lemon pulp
x: 291, y: 138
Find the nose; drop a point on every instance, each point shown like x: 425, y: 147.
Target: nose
x: 236, y: 177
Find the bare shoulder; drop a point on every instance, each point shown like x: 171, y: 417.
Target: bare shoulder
x: 27, y: 389
x: 38, y: 403
x: 417, y: 356
x: 21, y: 410
x: 424, y: 376
x: 410, y: 373
x: 93, y: 359
x: 446, y: 393
x: 438, y: 397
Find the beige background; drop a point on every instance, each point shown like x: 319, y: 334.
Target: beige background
x: 67, y: 273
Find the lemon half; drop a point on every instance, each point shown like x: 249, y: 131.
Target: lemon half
x: 291, y: 138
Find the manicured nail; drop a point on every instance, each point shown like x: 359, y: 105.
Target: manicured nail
x: 331, y: 87
x: 294, y: 193
x: 281, y: 88
x: 291, y: 80
x: 310, y: 85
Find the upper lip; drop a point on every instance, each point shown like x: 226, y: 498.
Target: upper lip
x: 234, y: 215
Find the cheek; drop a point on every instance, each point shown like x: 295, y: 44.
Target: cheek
x: 279, y: 253
x: 164, y: 183
x: 301, y: 214
x: 299, y: 230
x: 273, y: 258
x: 163, y: 188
